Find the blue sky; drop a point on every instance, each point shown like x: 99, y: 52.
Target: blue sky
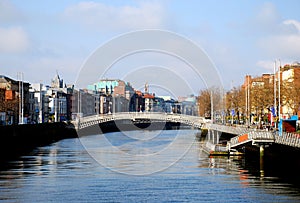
x: 240, y: 37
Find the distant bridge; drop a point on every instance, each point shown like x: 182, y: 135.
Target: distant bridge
x: 140, y: 117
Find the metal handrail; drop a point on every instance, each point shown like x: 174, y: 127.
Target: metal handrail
x: 182, y: 118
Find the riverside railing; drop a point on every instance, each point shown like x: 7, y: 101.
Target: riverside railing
x: 262, y: 137
x: 235, y: 130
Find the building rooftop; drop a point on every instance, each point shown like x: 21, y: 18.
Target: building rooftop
x: 148, y: 96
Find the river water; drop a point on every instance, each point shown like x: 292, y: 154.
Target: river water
x: 138, y: 166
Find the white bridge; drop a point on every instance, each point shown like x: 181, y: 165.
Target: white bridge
x: 256, y: 137
x: 140, y: 117
x: 243, y: 135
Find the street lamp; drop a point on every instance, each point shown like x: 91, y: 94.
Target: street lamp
x: 109, y: 107
x: 279, y: 78
x: 277, y: 71
x: 55, y: 103
x: 20, y: 76
x: 275, y: 105
x: 279, y: 106
x: 212, y: 107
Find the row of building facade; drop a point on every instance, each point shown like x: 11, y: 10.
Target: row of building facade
x: 266, y: 98
x: 21, y: 102
x: 278, y: 91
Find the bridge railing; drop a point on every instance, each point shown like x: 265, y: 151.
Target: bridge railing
x: 95, y: 119
x: 259, y: 136
x: 289, y: 139
x: 228, y: 129
x: 253, y: 134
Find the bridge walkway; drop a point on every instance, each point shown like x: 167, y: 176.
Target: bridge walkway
x: 245, y: 135
x: 136, y: 117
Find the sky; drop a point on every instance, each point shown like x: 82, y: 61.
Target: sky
x: 41, y: 38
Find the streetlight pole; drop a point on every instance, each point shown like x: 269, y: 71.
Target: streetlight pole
x: 275, y: 105
x: 20, y: 103
x: 55, y: 107
x: 279, y: 78
x: 246, y: 101
x: 249, y: 104
x: 232, y: 102
x: 247, y: 95
x: 22, y: 112
x: 279, y: 106
x: 212, y: 107
x: 20, y: 77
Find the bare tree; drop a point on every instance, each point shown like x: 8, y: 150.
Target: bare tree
x: 207, y: 98
x: 204, y: 103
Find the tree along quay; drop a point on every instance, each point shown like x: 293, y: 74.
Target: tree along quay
x: 17, y: 139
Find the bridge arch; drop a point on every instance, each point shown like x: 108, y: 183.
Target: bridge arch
x: 88, y: 121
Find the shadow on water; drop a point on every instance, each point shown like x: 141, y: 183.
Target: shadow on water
x: 17, y: 140
x: 62, y: 156
x: 279, y: 164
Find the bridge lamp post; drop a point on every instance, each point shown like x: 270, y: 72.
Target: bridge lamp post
x: 275, y: 105
x: 59, y: 109
x: 20, y: 76
x: 279, y: 81
x: 277, y: 77
x: 109, y: 107
x: 55, y: 103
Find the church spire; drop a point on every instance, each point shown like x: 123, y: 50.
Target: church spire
x: 56, y: 81
x: 146, y: 88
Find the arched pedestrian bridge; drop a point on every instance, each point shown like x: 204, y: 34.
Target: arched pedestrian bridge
x: 139, y: 117
x: 242, y: 135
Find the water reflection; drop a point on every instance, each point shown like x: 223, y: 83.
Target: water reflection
x: 47, y: 160
x: 64, y: 172
x: 252, y: 172
x: 121, y: 153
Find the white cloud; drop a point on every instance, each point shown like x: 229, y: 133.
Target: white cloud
x: 267, y: 14
x: 9, y: 12
x: 46, y: 67
x: 266, y: 19
x: 101, y: 16
x: 277, y: 37
x: 13, y: 40
x: 282, y: 44
x: 294, y: 23
x: 267, y: 65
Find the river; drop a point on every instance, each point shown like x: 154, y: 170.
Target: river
x: 138, y: 166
